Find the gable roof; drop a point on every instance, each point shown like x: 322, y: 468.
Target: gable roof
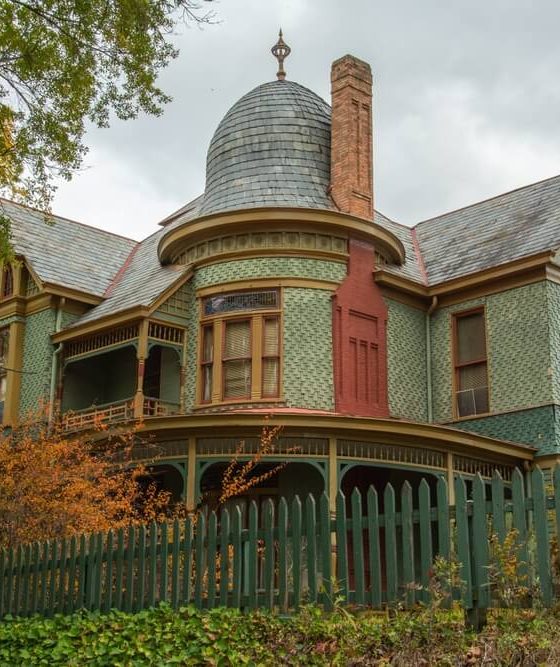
x: 140, y: 283
x: 496, y: 231
x: 64, y: 252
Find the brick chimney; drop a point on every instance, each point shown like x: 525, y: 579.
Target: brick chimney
x: 351, y: 137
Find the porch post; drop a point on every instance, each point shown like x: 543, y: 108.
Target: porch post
x: 450, y: 479
x: 333, y: 491
x: 141, y: 357
x: 13, y: 364
x: 191, y: 475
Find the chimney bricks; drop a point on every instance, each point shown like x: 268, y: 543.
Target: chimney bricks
x: 351, y: 137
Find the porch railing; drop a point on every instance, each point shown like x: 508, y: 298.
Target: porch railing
x: 118, y: 411
x: 155, y: 407
x: 77, y: 420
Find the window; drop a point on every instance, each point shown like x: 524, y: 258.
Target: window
x: 471, y: 368
x: 7, y: 282
x: 239, y: 357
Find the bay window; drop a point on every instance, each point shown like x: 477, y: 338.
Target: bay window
x: 239, y: 355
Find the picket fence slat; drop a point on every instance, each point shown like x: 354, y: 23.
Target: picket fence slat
x: 358, y: 548
x: 224, y: 555
x: 283, y: 602
x: 175, y: 564
x: 541, y: 534
x: 426, y: 550
x: 252, y: 553
x: 287, y: 553
x: 391, y: 544
x: 325, y: 551
x: 342, y: 546
x: 212, y: 540
x: 269, y: 554
x: 407, y: 544
x: 374, y: 547
x: 463, y: 541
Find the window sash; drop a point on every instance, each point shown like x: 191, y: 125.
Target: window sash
x: 471, y: 367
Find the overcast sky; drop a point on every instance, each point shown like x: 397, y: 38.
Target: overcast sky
x: 466, y: 103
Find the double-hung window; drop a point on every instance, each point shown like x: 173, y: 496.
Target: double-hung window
x: 471, y: 365
x: 239, y: 355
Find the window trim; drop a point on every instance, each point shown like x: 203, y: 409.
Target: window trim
x: 218, y: 322
x: 457, y: 365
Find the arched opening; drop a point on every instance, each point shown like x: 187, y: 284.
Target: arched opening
x: 294, y: 478
x: 165, y: 478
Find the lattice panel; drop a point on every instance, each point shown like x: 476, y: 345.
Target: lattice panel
x: 166, y: 333
x: 372, y: 451
x: 284, y: 446
x: 292, y: 240
x: 101, y: 340
x: 31, y: 287
x: 229, y: 303
x: 177, y: 303
x: 464, y: 464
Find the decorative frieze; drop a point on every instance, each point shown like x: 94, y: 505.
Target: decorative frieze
x: 306, y: 242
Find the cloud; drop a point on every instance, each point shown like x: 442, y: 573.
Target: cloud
x: 466, y: 102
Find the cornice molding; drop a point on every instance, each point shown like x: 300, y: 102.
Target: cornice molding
x: 282, y: 219
x: 390, y: 431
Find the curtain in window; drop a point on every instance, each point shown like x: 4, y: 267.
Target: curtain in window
x: 237, y: 359
x: 270, y: 364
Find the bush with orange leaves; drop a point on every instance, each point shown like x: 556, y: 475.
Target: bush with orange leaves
x: 54, y: 484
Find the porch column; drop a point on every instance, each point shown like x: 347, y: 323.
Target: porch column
x: 450, y: 479
x: 141, y: 356
x: 190, y: 496
x: 13, y: 364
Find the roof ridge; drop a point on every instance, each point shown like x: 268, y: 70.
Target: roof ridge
x: 487, y: 199
x: 120, y: 273
x: 62, y: 217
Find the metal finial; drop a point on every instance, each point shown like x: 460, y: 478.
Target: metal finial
x: 280, y: 51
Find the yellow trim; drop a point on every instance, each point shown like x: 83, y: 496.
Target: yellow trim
x: 39, y: 302
x: 123, y: 317
x: 517, y: 273
x: 14, y: 364
x: 262, y: 283
x: 13, y: 306
x: 205, y: 227
x: 75, y: 294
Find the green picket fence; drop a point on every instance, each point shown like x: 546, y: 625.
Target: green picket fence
x: 374, y: 551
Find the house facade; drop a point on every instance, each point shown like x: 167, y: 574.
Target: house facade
x: 281, y: 296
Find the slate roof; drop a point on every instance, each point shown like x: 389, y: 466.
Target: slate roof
x: 140, y: 283
x: 272, y: 148
x: 411, y: 267
x: 65, y: 252
x: 510, y: 226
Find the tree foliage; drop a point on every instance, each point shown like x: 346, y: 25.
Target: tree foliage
x: 66, y: 62
x: 53, y: 485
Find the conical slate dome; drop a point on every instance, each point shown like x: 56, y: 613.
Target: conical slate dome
x: 272, y: 148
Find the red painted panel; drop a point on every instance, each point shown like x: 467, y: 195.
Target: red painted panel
x: 359, y: 339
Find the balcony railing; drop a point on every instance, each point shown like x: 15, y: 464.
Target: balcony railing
x: 118, y: 411
x: 96, y: 415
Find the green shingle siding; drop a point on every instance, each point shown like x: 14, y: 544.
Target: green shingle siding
x: 537, y: 427
x: 406, y: 361
x: 37, y: 359
x: 308, y: 364
x: 307, y: 335
x: 518, y: 350
x: 270, y: 267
